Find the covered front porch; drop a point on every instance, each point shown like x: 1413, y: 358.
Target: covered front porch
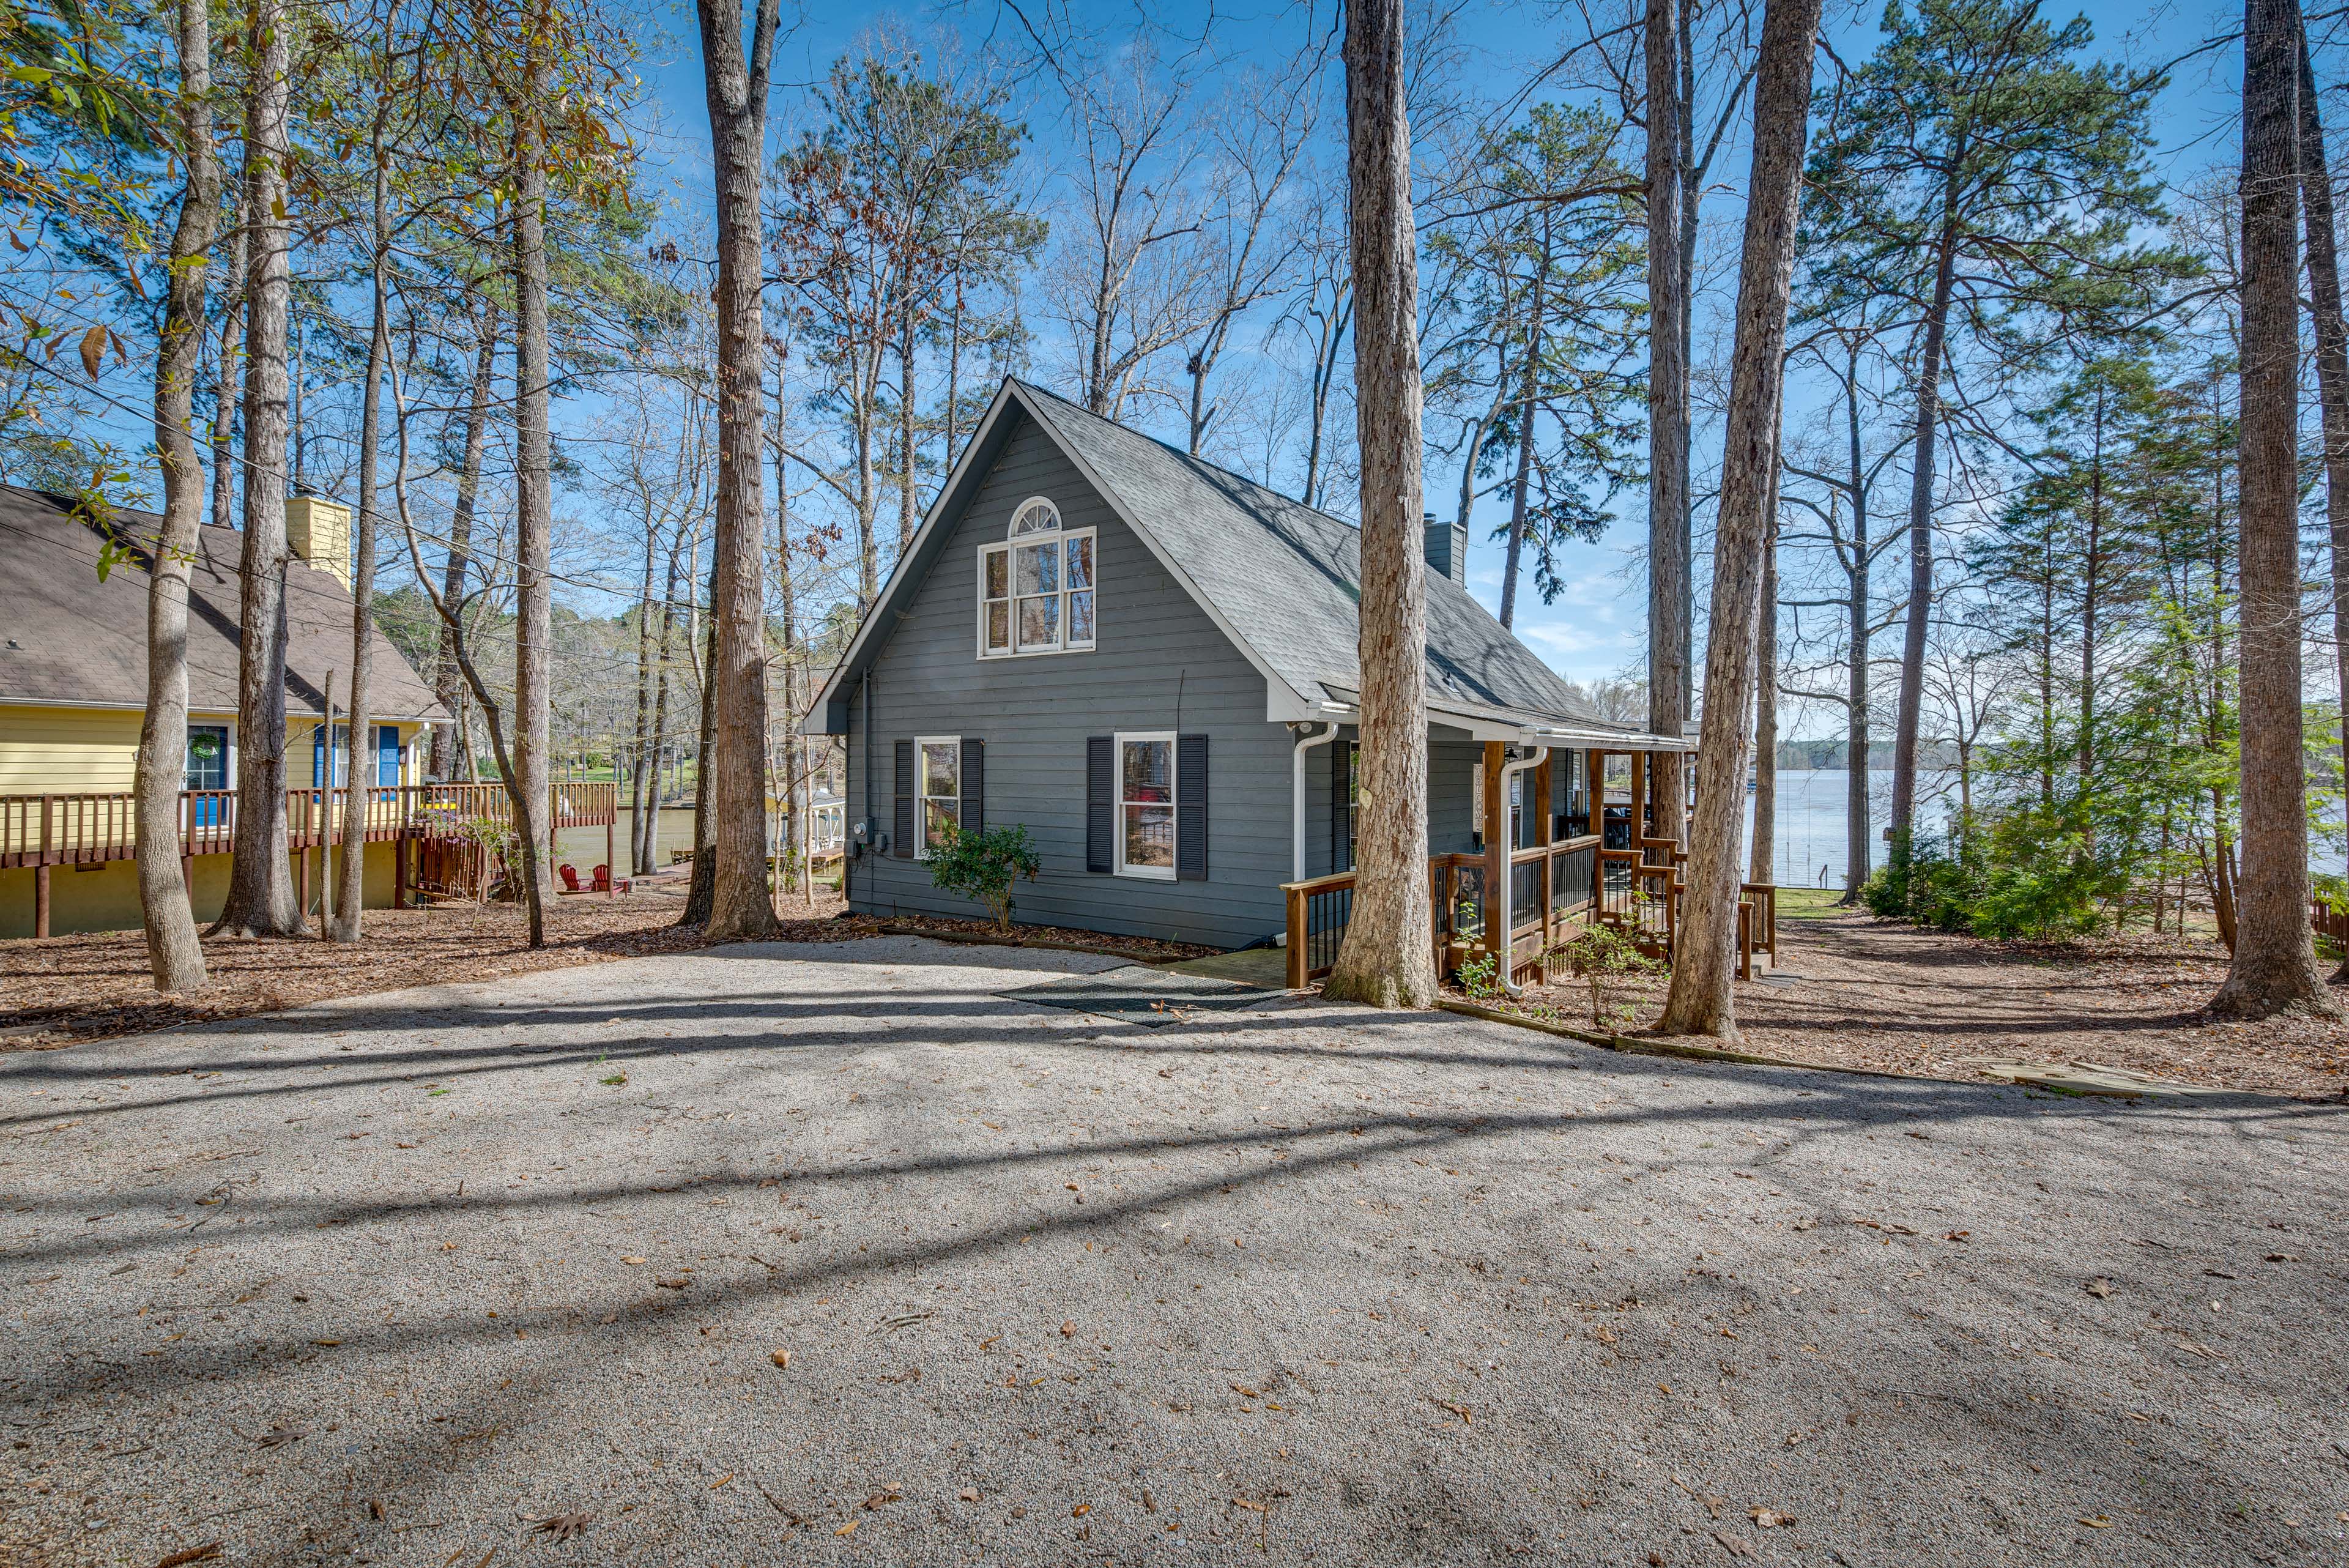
x: 1577, y: 852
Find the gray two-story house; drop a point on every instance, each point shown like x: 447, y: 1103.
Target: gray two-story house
x: 1149, y: 662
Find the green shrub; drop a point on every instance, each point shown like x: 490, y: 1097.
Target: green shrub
x: 2033, y: 872
x: 1476, y: 978
x: 983, y: 866
x: 1598, y: 956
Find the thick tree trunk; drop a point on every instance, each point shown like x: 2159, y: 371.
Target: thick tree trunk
x: 350, y: 894
x: 533, y: 516
x: 742, y: 907
x: 449, y: 682
x: 1668, y: 395
x: 260, y: 883
x: 2332, y: 374
x: 1704, y: 946
x: 2275, y: 965
x: 173, y: 951
x: 1387, y: 959
x: 1763, y: 857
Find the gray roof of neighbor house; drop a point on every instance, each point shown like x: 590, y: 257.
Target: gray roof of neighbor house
x: 67, y: 639
x: 1282, y: 579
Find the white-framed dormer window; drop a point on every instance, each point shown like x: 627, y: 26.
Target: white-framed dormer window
x: 1146, y: 805
x: 939, y: 761
x: 1036, y: 588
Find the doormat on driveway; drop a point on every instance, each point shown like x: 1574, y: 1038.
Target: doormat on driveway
x: 1136, y: 995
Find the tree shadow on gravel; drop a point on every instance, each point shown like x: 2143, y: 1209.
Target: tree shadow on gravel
x: 1323, y: 1147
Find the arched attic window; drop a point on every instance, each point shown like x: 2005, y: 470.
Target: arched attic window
x: 1036, y: 589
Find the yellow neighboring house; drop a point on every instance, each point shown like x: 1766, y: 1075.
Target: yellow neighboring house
x: 73, y: 688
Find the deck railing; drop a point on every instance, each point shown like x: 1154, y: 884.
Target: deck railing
x: 1555, y: 891
x: 92, y: 827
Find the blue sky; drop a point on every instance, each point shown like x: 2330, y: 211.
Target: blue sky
x: 1599, y: 626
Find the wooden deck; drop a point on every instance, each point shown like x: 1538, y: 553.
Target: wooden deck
x: 43, y: 831
x: 1557, y: 889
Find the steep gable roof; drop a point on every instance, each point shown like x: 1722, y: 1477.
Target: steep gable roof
x: 1282, y: 579
x: 73, y: 641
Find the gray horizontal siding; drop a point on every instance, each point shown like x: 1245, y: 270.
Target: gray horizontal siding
x: 1160, y: 664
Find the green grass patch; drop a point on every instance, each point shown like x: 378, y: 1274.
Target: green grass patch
x: 1809, y: 903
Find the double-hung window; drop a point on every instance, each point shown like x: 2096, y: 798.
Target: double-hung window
x: 1146, y: 805
x: 1036, y: 589
x: 940, y: 805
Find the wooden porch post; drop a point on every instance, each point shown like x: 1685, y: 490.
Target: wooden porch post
x: 611, y: 820
x: 1496, y: 846
x: 1543, y: 821
x: 1638, y: 803
x: 41, y: 870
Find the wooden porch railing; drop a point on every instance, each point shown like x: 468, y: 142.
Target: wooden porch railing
x: 90, y: 829
x: 1552, y: 885
x: 1556, y: 889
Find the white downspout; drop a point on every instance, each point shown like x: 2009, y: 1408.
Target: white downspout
x: 1297, y: 799
x: 1508, y: 946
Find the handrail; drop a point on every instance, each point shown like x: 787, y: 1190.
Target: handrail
x: 94, y: 827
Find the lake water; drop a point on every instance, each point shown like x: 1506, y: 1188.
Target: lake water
x: 1812, y: 819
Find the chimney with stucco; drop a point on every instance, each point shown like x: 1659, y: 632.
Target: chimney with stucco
x: 319, y: 532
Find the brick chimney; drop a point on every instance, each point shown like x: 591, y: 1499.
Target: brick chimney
x: 1446, y: 546
x: 319, y: 531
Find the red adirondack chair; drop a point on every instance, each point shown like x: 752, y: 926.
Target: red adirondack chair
x: 570, y: 875
x: 603, y: 882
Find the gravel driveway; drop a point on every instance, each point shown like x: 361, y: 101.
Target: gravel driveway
x: 503, y: 1274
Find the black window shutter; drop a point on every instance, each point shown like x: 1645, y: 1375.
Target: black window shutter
x: 1100, y: 803
x: 903, y: 846
x: 1191, y: 808
x: 1340, y: 777
x: 972, y: 816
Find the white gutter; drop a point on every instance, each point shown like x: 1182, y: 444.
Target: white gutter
x: 1297, y: 799
x: 1508, y: 948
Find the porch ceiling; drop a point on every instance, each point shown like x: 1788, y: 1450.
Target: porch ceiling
x: 1511, y: 726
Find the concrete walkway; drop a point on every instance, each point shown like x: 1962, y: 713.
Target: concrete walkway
x: 507, y: 1274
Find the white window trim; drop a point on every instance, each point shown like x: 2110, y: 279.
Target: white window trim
x: 1173, y: 801
x: 921, y: 799
x: 1059, y: 522
x: 1005, y: 546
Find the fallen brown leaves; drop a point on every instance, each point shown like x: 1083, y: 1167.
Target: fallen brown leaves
x: 64, y: 989
x: 1894, y: 998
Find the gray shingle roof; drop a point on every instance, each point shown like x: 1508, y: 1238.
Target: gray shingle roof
x: 71, y: 638
x: 1288, y: 577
